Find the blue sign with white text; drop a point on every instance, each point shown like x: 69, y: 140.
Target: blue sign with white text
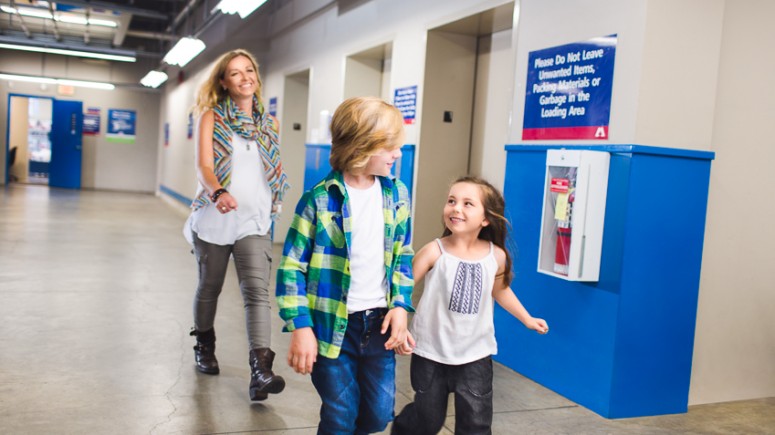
x: 568, y: 92
x: 405, y: 99
x: 121, y: 126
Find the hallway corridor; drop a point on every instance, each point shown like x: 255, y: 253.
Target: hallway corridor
x: 95, y: 301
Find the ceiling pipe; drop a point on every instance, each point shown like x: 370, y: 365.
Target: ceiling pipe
x: 21, y: 19
x: 151, y: 35
x: 86, y: 31
x: 54, y: 22
x: 182, y: 15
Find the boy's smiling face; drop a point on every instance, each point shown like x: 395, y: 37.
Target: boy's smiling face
x: 381, y: 162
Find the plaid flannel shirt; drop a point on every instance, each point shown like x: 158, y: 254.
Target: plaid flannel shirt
x: 314, y: 274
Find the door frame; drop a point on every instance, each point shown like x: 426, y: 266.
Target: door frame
x: 8, y: 128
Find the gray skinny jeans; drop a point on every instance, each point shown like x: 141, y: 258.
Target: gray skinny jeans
x: 253, y: 261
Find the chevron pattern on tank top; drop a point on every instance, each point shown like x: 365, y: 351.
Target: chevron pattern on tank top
x: 467, y: 290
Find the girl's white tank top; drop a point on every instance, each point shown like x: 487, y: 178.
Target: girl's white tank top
x: 454, y: 319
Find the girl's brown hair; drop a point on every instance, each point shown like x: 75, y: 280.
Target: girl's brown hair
x: 360, y: 127
x: 497, y: 231
x: 211, y: 93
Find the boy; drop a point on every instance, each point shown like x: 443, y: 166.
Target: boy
x: 345, y: 280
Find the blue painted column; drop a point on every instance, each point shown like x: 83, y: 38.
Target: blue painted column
x: 621, y: 346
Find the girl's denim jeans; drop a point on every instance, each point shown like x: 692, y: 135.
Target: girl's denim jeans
x: 432, y: 382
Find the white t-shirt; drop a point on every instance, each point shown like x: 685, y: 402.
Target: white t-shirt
x: 254, y: 200
x: 454, y: 319
x: 368, y: 279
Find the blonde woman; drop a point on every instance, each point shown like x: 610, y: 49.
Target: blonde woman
x: 241, y: 186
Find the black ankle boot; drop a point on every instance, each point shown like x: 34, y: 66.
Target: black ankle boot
x: 204, y: 351
x: 262, y: 380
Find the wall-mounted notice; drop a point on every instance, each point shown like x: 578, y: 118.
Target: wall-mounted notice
x: 166, y: 134
x: 273, y: 106
x: 190, y: 126
x: 121, y: 126
x: 405, y: 99
x: 568, y: 92
x: 91, y: 121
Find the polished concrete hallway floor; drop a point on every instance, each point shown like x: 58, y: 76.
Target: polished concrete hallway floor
x: 95, y: 302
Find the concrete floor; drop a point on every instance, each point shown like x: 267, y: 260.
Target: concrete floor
x: 96, y: 290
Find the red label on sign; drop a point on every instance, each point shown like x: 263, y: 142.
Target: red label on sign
x: 559, y: 185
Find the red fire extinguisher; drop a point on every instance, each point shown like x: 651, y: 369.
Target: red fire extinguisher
x: 563, y: 212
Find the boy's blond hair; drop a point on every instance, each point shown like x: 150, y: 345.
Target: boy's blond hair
x: 361, y: 126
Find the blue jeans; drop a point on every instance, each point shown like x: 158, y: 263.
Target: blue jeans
x: 358, y: 388
x: 432, y: 382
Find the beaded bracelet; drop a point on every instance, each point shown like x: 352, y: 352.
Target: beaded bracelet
x: 214, y: 197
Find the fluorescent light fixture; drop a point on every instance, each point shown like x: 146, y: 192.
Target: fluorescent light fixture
x: 76, y: 53
x: 185, y: 50
x: 241, y: 7
x: 53, y: 81
x: 61, y: 17
x: 27, y: 12
x: 154, y: 79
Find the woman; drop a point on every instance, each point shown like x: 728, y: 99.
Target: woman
x: 241, y: 185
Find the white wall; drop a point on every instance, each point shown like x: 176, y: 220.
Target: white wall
x: 734, y: 351
x: 571, y: 22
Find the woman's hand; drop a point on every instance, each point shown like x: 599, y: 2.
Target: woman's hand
x: 303, y: 351
x: 226, y: 203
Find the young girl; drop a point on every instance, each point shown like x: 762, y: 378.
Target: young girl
x: 453, y: 336
x: 344, y: 284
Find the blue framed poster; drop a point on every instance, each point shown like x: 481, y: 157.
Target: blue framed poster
x: 568, y: 92
x: 91, y: 121
x: 273, y: 106
x: 121, y: 126
x: 405, y: 99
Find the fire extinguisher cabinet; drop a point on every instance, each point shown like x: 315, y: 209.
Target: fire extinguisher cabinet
x: 573, y: 214
x: 620, y: 345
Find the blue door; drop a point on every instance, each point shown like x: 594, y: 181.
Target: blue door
x: 66, y: 129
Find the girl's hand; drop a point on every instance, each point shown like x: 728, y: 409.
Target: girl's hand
x: 395, y: 319
x: 303, y: 351
x: 407, y: 347
x: 538, y: 325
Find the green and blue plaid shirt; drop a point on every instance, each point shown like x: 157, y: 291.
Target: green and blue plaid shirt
x: 314, y: 274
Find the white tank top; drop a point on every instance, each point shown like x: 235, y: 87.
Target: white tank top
x: 454, y: 320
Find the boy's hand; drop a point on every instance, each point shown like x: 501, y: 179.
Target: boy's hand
x: 303, y: 351
x: 538, y: 325
x: 407, y: 347
x: 396, y: 320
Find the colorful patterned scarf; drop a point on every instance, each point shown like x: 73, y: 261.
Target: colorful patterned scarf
x: 229, y: 118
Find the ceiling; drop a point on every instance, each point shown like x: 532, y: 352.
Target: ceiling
x: 146, y: 28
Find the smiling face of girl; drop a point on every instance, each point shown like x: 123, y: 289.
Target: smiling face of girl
x: 464, y: 211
